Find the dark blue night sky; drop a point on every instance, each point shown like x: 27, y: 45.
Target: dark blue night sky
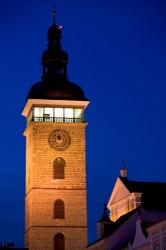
x: 117, y: 54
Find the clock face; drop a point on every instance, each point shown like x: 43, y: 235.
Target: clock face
x: 59, y: 139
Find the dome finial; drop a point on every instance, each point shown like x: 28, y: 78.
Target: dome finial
x: 123, y: 170
x: 53, y: 14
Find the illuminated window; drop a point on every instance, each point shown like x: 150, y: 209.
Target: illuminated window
x: 68, y: 112
x: 59, y: 242
x: 78, y: 113
x: 59, y: 168
x: 58, y: 112
x: 59, y: 209
x: 38, y: 112
x: 127, y: 206
x: 48, y: 112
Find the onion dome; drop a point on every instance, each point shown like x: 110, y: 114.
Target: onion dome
x: 55, y: 83
x: 64, y: 90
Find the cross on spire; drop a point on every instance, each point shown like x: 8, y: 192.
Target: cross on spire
x: 54, y: 14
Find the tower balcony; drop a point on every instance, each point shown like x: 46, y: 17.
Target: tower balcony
x: 56, y: 114
x: 55, y: 111
x: 57, y: 119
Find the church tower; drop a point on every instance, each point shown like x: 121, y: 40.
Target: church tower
x: 56, y: 195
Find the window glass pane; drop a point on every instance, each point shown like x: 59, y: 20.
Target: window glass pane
x: 68, y: 113
x: 58, y: 112
x: 38, y: 112
x: 48, y: 112
x: 78, y: 113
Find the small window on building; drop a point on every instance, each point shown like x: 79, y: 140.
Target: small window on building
x: 59, y: 168
x: 164, y: 243
x: 59, y: 209
x: 59, y: 242
x: 156, y: 245
x: 127, y: 206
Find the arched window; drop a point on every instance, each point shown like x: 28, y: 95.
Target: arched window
x: 59, y: 242
x: 59, y: 168
x: 59, y: 209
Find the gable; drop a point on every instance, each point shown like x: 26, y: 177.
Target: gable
x: 119, y: 192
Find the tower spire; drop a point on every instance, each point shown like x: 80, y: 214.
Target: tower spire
x: 54, y: 58
x: 54, y: 82
x: 53, y: 14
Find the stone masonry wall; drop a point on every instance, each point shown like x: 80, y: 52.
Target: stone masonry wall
x: 42, y: 190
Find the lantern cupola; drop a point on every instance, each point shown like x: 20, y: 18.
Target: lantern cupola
x: 54, y: 98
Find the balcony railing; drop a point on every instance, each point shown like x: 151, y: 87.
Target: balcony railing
x: 57, y: 119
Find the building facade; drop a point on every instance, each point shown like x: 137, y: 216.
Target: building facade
x: 137, y: 217
x: 56, y: 195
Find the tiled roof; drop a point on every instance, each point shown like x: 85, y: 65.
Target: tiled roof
x: 153, y: 193
x: 142, y: 186
x: 126, y: 225
x: 115, y: 225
